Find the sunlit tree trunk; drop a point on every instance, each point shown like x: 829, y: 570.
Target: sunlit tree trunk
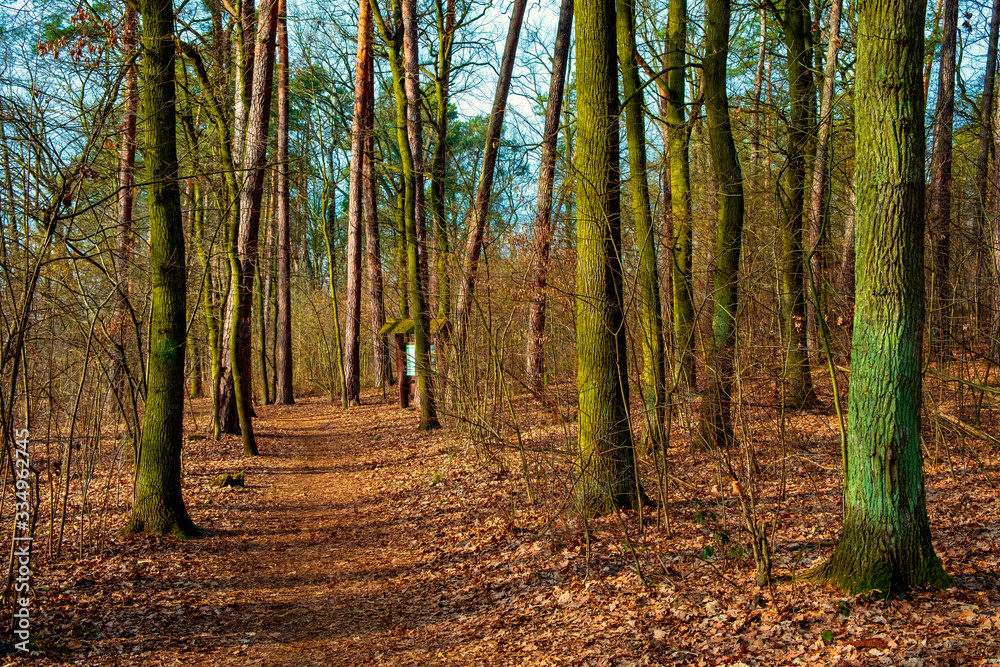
x: 714, y: 428
x: 393, y: 37
x: 158, y: 506
x: 535, y: 364
x: 355, y: 206
x: 680, y: 199
x: 606, y: 459
x: 885, y: 546
x: 283, y: 363
x: 439, y: 161
x: 650, y: 315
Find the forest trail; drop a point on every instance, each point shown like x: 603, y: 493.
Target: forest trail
x: 330, y: 575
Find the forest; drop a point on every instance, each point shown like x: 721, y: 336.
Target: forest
x: 588, y: 332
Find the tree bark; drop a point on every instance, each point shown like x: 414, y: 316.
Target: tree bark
x: 684, y: 370
x: 158, y: 505
x: 817, y: 220
x: 355, y: 205
x: 799, y: 391
x: 939, y: 196
x: 650, y: 315
x: 714, y: 428
x: 885, y: 546
x: 535, y: 359
x: 606, y: 458
x: 283, y: 364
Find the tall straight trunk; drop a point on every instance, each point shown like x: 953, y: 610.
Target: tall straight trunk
x: 986, y: 129
x: 126, y: 197
x: 261, y: 297
x: 995, y: 237
x: 283, y: 363
x: 535, y: 364
x: 606, y: 459
x: 411, y: 65
x: 684, y: 374
x: 258, y: 120
x: 885, y: 546
x: 480, y: 213
x: 373, y: 258
x: 355, y: 205
x: 714, y: 428
x: 439, y: 161
x: 158, y: 506
x: 650, y: 315
x: 817, y: 197
x: 394, y: 41
x: 210, y: 303
x: 799, y: 391
x: 939, y: 197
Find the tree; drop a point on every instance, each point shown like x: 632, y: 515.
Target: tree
x: 283, y: 363
x: 799, y: 391
x: 158, y: 505
x: 393, y: 36
x: 606, y: 458
x: 886, y: 545
x: 714, y: 429
x: 355, y: 205
x: 535, y: 364
x: 684, y: 374
x: 650, y: 314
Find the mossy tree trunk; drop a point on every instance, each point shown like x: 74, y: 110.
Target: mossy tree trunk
x: 158, y: 506
x: 606, y: 462
x: 886, y: 545
x: 714, y: 428
x: 680, y: 198
x: 393, y: 37
x: 799, y: 390
x: 650, y: 313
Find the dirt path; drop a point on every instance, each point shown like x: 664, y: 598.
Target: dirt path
x: 331, y: 573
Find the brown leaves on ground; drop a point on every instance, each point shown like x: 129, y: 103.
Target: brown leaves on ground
x: 359, y: 540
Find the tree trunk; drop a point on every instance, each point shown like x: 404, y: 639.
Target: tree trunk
x: 986, y: 129
x: 394, y: 42
x: 817, y: 220
x: 939, y: 196
x: 258, y: 119
x: 411, y: 65
x: 126, y: 197
x: 439, y: 161
x: 480, y: 213
x: 355, y: 206
x: 650, y: 315
x: 714, y: 428
x: 799, y: 391
x: 283, y: 363
x: 606, y: 460
x: 684, y: 374
x: 158, y: 505
x: 885, y: 545
x: 535, y: 364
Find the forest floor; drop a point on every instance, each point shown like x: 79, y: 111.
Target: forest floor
x: 359, y: 540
